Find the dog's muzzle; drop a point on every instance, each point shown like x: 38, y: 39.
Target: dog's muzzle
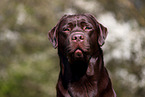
x: 77, y: 37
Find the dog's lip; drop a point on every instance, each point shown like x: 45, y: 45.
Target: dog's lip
x: 78, y: 53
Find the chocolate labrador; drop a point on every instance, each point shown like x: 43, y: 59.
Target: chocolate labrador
x: 79, y: 39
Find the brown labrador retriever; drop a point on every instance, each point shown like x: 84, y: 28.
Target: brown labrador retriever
x: 79, y: 39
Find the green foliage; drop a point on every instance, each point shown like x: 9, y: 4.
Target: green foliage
x: 28, y: 63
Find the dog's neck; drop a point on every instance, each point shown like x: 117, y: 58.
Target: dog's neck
x: 73, y: 72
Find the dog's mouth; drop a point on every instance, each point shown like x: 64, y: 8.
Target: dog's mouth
x: 78, y: 53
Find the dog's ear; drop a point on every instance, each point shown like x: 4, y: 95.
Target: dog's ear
x: 103, y: 34
x: 102, y: 30
x: 53, y: 33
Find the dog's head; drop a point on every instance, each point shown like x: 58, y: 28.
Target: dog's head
x: 78, y: 35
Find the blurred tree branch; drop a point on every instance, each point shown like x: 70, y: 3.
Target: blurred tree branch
x: 126, y: 9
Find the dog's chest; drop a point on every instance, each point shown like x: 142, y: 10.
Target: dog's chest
x: 85, y: 88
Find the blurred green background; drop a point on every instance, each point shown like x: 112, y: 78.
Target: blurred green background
x: 29, y: 65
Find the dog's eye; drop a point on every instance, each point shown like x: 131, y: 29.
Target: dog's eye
x: 87, y: 28
x: 67, y: 29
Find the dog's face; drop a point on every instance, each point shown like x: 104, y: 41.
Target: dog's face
x: 77, y: 36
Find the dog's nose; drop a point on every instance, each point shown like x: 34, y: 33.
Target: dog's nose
x: 77, y: 37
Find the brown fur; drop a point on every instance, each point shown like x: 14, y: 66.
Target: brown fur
x: 79, y: 39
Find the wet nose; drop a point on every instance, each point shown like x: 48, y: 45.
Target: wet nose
x: 77, y: 37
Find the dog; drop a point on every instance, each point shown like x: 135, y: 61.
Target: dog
x: 79, y: 39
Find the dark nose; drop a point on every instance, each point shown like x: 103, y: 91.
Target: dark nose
x: 77, y: 37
